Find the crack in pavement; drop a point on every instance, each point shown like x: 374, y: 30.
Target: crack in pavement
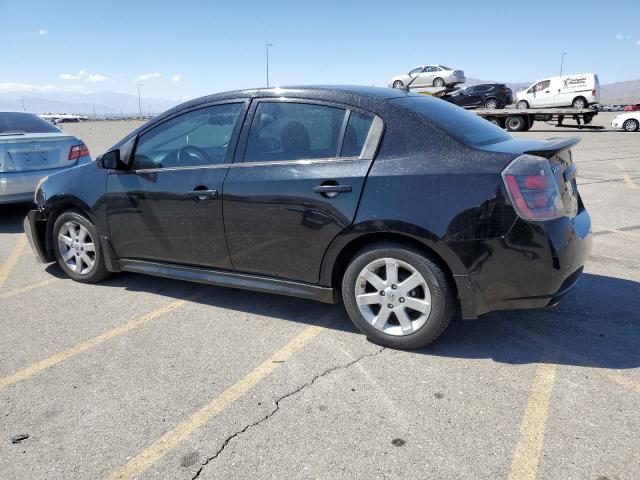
x: 277, y: 406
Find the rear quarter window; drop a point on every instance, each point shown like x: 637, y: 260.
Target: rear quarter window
x: 462, y: 125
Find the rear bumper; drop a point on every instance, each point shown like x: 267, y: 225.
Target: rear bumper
x: 533, y: 266
x: 21, y: 186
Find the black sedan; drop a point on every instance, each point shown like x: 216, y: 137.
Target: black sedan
x: 405, y: 207
x: 489, y: 96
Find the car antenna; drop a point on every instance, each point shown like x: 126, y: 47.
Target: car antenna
x: 406, y: 87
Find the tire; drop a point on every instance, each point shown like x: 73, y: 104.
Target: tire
x: 630, y: 125
x: 491, y: 104
x: 495, y: 121
x: 81, y: 244
x: 579, y: 102
x: 398, y: 84
x: 516, y: 123
x: 522, y: 104
x: 438, y: 82
x: 433, y: 294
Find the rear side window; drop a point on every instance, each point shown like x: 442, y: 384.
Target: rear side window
x: 199, y: 137
x: 19, y: 123
x: 355, y: 134
x: 462, y: 125
x: 293, y: 131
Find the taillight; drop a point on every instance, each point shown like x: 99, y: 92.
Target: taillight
x: 78, y: 151
x: 593, y: 92
x: 533, y: 189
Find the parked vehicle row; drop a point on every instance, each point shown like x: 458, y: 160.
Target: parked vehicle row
x: 30, y: 149
x: 403, y: 206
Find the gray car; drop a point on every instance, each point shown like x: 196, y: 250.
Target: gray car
x: 31, y: 149
x: 429, y: 76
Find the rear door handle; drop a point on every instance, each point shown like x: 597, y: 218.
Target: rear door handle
x: 332, y: 188
x: 203, y: 194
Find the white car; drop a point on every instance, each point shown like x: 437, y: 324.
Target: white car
x: 629, y: 122
x: 429, y: 76
x: 577, y: 91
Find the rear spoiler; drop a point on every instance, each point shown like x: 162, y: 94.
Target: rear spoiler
x: 553, y: 146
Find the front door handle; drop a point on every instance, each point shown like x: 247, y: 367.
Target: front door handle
x: 203, y: 195
x: 332, y: 190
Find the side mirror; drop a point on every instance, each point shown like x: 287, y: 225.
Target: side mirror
x: 110, y: 160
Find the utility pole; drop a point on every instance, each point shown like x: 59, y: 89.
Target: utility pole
x: 23, y: 109
x: 562, y: 62
x: 139, y: 102
x: 266, y: 46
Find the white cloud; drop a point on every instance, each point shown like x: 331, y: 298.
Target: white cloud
x: 24, y: 87
x: 638, y: 43
x: 42, y: 32
x: 149, y: 76
x: 96, y: 77
x: 619, y: 36
x: 176, y: 78
x: 72, y: 76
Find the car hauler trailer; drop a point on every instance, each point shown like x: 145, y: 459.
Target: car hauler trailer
x: 519, y: 120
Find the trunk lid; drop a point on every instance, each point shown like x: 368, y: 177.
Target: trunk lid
x: 35, y: 151
x: 558, y: 153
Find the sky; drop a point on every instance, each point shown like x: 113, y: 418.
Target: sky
x: 191, y: 48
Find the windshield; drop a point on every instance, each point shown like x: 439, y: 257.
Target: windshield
x: 20, y: 123
x: 445, y: 67
x: 464, y: 126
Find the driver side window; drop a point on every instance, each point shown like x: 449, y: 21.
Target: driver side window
x: 199, y: 137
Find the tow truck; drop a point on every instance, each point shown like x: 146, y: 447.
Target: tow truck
x: 522, y: 119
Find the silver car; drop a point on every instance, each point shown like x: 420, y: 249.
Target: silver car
x: 31, y: 149
x: 429, y: 76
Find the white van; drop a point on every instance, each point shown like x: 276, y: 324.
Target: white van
x: 577, y: 91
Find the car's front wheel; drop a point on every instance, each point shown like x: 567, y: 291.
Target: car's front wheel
x: 398, y: 84
x: 522, y: 104
x: 631, y: 125
x: 77, y: 248
x: 491, y: 104
x: 396, y: 296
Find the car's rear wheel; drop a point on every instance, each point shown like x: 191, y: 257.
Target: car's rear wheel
x: 522, y: 104
x: 398, y: 84
x: 396, y: 296
x: 516, y: 123
x: 438, y: 82
x: 631, y: 125
x: 579, y: 102
x: 77, y: 248
x: 491, y: 104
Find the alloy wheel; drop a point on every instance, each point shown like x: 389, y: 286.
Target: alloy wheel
x: 630, y: 125
x: 76, y: 248
x: 491, y: 104
x: 393, y: 296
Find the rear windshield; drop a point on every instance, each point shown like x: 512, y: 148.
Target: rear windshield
x: 19, y: 122
x: 464, y: 126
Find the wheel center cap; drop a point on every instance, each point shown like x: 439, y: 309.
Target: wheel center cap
x: 392, y: 296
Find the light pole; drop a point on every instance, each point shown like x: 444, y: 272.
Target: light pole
x: 139, y: 102
x: 266, y: 47
x: 562, y: 61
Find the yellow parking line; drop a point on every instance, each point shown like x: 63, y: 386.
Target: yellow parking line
x: 615, y: 230
x: 8, y: 264
x: 612, y: 375
x: 154, y: 452
x: 527, y: 456
x: 91, y: 343
x: 627, y: 178
x: 17, y: 291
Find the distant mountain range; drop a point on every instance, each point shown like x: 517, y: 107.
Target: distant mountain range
x: 115, y: 103
x: 103, y: 103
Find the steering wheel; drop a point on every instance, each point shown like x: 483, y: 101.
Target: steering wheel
x: 190, y: 154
